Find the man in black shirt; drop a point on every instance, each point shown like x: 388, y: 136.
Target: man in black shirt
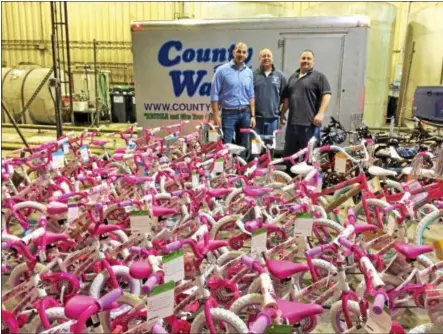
x: 269, y: 84
x: 307, y: 95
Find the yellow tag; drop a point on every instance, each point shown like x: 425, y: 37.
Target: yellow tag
x: 212, y: 135
x: 340, y: 162
x: 438, y: 246
x: 255, y: 147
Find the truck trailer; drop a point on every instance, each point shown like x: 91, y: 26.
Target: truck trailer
x: 174, y: 62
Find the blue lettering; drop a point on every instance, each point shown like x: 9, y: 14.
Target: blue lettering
x: 187, y: 82
x: 203, y: 55
x: 205, y: 89
x: 188, y: 55
x: 163, y: 53
x: 218, y: 55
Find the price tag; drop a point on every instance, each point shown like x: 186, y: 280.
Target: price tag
x: 174, y: 266
x: 319, y: 182
x: 73, y: 212
x: 392, y: 225
x: 378, y: 323
x: 340, y: 162
x: 195, y: 180
x: 140, y: 221
x: 255, y: 146
x: 66, y: 147
x: 84, y: 153
x: 258, y: 242
x: 58, y: 159
x: 212, y: 135
x: 218, y: 166
x: 303, y: 224
x: 161, y: 301
x: 394, y: 153
x: 438, y: 246
x: 278, y: 329
x: 131, y: 145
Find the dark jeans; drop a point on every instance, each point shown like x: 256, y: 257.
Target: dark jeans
x: 266, y: 126
x: 232, y: 122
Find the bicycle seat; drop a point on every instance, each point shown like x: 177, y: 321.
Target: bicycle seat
x: 140, y: 270
x: 76, y: 305
x: 219, y: 192
x: 55, y: 208
x: 285, y: 269
x: 159, y: 211
x: 412, y: 251
x: 378, y: 171
x: 295, y: 312
x: 421, y: 172
x: 99, y: 142
x: 102, y: 229
x: 363, y: 228
x: 255, y: 191
x: 55, y: 237
x: 302, y: 169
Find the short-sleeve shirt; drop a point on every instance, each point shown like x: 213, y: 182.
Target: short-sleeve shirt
x: 305, y: 95
x: 231, y: 86
x: 268, y: 92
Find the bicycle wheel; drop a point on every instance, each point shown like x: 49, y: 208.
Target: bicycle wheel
x: 224, y: 321
x: 338, y: 319
x: 429, y: 230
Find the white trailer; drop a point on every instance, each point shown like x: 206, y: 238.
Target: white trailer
x: 174, y: 61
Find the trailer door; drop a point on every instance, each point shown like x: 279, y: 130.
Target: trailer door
x: 328, y: 49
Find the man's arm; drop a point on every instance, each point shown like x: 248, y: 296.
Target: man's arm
x: 215, y: 96
x: 251, y: 94
x: 325, y: 91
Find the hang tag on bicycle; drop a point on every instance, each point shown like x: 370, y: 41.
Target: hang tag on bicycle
x: 161, y: 301
x: 195, y: 180
x: 73, y: 212
x: 131, y: 145
x: 340, y: 162
x: 392, y: 225
x: 141, y: 221
x: 279, y: 329
x: 212, y: 135
x: 378, y: 323
x: 185, y: 147
x: 303, y: 225
x: 438, y: 246
x: 218, y: 166
x: 255, y: 146
x: 84, y: 153
x: 174, y: 266
x: 66, y: 148
x: 58, y: 159
x: 319, y: 182
x: 129, y: 208
x: 374, y: 185
x: 258, y: 242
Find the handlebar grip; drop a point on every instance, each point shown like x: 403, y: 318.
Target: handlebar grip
x: 314, y: 251
x: 173, y: 246
x: 261, y: 322
x: 151, y: 283
x: 326, y: 148
x: 109, y: 298
x: 125, y: 203
x: 345, y: 242
x: 379, y: 303
x: 245, y: 130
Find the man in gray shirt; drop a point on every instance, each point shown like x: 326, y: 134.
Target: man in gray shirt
x: 307, y: 95
x: 269, y: 84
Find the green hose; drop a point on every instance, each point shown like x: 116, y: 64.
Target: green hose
x: 103, y: 89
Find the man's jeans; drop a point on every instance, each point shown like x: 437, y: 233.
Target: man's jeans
x: 232, y: 122
x: 266, y: 126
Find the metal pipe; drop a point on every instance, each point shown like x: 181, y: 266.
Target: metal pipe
x: 97, y: 115
x: 68, y: 58
x: 57, y: 90
x: 405, y: 91
x: 14, y: 123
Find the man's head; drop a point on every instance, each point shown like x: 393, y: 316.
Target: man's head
x: 240, y: 53
x: 266, y: 58
x: 306, y: 61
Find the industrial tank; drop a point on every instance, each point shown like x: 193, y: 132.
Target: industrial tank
x: 381, y: 38
x: 425, y: 28
x: 18, y: 86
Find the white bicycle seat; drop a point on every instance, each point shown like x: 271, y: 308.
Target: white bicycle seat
x: 378, y: 171
x: 235, y: 149
x: 302, y: 169
x: 422, y: 172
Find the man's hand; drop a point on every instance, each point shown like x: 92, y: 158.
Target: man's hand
x: 252, y: 123
x: 282, y: 119
x: 318, y: 119
x: 216, y: 119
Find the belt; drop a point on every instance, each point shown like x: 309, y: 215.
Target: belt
x: 240, y: 109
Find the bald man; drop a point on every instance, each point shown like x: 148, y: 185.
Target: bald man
x: 232, y: 91
x: 269, y: 84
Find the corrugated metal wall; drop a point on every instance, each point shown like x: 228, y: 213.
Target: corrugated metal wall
x: 26, y: 29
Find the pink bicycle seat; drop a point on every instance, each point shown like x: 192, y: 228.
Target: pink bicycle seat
x: 55, y: 208
x: 77, y: 305
x: 254, y: 191
x: 363, y: 228
x: 159, y: 211
x: 412, y: 251
x: 285, y: 269
x: 295, y: 312
x: 102, y: 229
x: 261, y: 171
x: 140, y: 270
x: 55, y: 237
x: 99, y: 142
x: 219, y: 192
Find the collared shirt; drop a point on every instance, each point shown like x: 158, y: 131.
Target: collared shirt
x: 304, y: 94
x: 231, y: 86
x: 268, y: 92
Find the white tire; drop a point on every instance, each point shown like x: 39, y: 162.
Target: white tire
x: 53, y: 314
x: 426, y: 328
x: 18, y: 272
x: 336, y: 311
x: 233, y: 323
x: 246, y: 300
x: 223, y: 221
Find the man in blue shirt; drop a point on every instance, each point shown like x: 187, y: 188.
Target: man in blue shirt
x: 232, y: 91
